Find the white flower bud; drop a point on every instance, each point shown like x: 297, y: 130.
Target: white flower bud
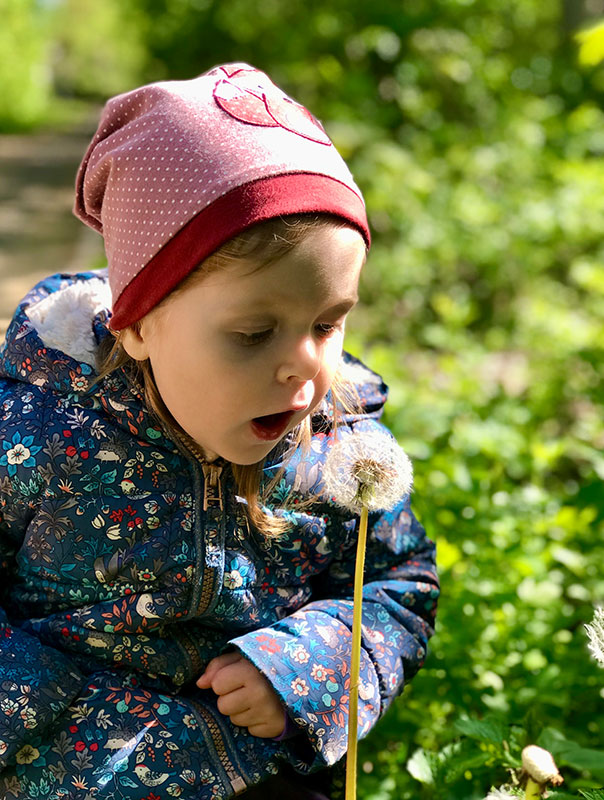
x: 500, y: 794
x: 595, y: 631
x: 539, y: 765
x: 367, y: 469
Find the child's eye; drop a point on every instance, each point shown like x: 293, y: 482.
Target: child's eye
x: 325, y: 329
x: 257, y: 337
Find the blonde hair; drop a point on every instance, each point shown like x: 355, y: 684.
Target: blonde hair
x: 262, y: 245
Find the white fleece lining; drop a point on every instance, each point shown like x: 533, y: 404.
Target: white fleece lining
x: 63, y: 320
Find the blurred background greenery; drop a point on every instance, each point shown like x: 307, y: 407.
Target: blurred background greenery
x: 477, y: 139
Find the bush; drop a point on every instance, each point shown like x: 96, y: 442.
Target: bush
x: 98, y: 47
x: 24, y: 67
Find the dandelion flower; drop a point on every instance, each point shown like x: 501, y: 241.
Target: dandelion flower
x: 595, y: 631
x: 539, y: 765
x: 363, y: 472
x: 501, y: 794
x: 367, y: 470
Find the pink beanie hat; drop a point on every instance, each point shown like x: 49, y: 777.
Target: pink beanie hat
x: 176, y: 169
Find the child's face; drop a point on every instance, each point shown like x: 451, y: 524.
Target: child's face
x: 242, y: 344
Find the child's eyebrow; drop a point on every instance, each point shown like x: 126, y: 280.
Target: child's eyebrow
x: 262, y: 306
x: 344, y: 306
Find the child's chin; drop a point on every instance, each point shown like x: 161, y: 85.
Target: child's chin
x: 247, y: 461
x: 256, y: 456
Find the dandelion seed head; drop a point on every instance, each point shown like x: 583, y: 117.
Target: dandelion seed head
x: 595, y: 631
x: 539, y: 764
x: 367, y: 469
x: 501, y: 794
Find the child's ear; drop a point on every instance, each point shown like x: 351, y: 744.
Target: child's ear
x: 134, y: 342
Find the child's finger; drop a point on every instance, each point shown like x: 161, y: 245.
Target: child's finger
x: 244, y: 719
x: 234, y: 703
x: 266, y: 730
x: 214, y: 666
x: 231, y: 677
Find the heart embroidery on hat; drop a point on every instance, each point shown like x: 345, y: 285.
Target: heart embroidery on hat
x: 251, y: 97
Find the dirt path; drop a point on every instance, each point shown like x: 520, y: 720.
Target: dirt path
x: 38, y: 233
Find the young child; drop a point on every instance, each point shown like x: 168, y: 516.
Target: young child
x: 176, y: 585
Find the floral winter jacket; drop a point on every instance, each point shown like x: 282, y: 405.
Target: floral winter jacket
x: 117, y: 587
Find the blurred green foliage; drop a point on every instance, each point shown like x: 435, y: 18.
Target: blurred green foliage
x: 24, y: 67
x: 477, y: 140
x: 99, y: 48
x: 591, y: 45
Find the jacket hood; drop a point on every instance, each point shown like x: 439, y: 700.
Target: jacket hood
x: 53, y: 340
x: 52, y: 344
x: 64, y: 317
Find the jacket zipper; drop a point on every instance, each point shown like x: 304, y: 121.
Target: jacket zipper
x: 213, y: 506
x: 212, y: 486
x: 236, y: 779
x: 214, y: 524
x: 212, y: 534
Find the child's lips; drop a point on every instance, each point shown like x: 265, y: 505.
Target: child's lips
x: 272, y: 426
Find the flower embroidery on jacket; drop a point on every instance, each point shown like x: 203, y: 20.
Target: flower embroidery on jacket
x: 299, y: 687
x: 233, y: 579
x: 320, y: 673
x: 19, y: 451
x: 300, y: 655
x: 27, y: 755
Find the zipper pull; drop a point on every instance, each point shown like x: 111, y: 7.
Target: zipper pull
x: 212, y: 487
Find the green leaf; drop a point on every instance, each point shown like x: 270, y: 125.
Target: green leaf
x: 592, y: 794
x: 561, y: 796
x: 489, y: 729
x: 419, y: 767
x: 591, y: 45
x: 466, y: 762
x: 570, y: 753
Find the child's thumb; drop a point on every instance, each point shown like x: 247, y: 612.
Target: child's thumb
x: 214, y: 666
x: 204, y: 681
x: 207, y: 676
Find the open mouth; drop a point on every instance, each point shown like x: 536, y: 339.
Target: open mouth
x: 272, y: 426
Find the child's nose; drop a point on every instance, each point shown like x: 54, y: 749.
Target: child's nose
x: 302, y: 362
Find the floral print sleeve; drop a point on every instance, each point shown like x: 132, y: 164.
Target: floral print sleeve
x: 306, y: 656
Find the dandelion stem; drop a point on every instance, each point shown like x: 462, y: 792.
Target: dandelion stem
x: 355, y: 661
x: 532, y: 791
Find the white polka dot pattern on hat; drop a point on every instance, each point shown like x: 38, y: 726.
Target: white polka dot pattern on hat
x: 165, y: 152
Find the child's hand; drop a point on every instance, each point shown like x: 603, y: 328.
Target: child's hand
x: 244, y: 695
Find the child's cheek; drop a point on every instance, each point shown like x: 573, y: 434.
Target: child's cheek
x: 333, y: 354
